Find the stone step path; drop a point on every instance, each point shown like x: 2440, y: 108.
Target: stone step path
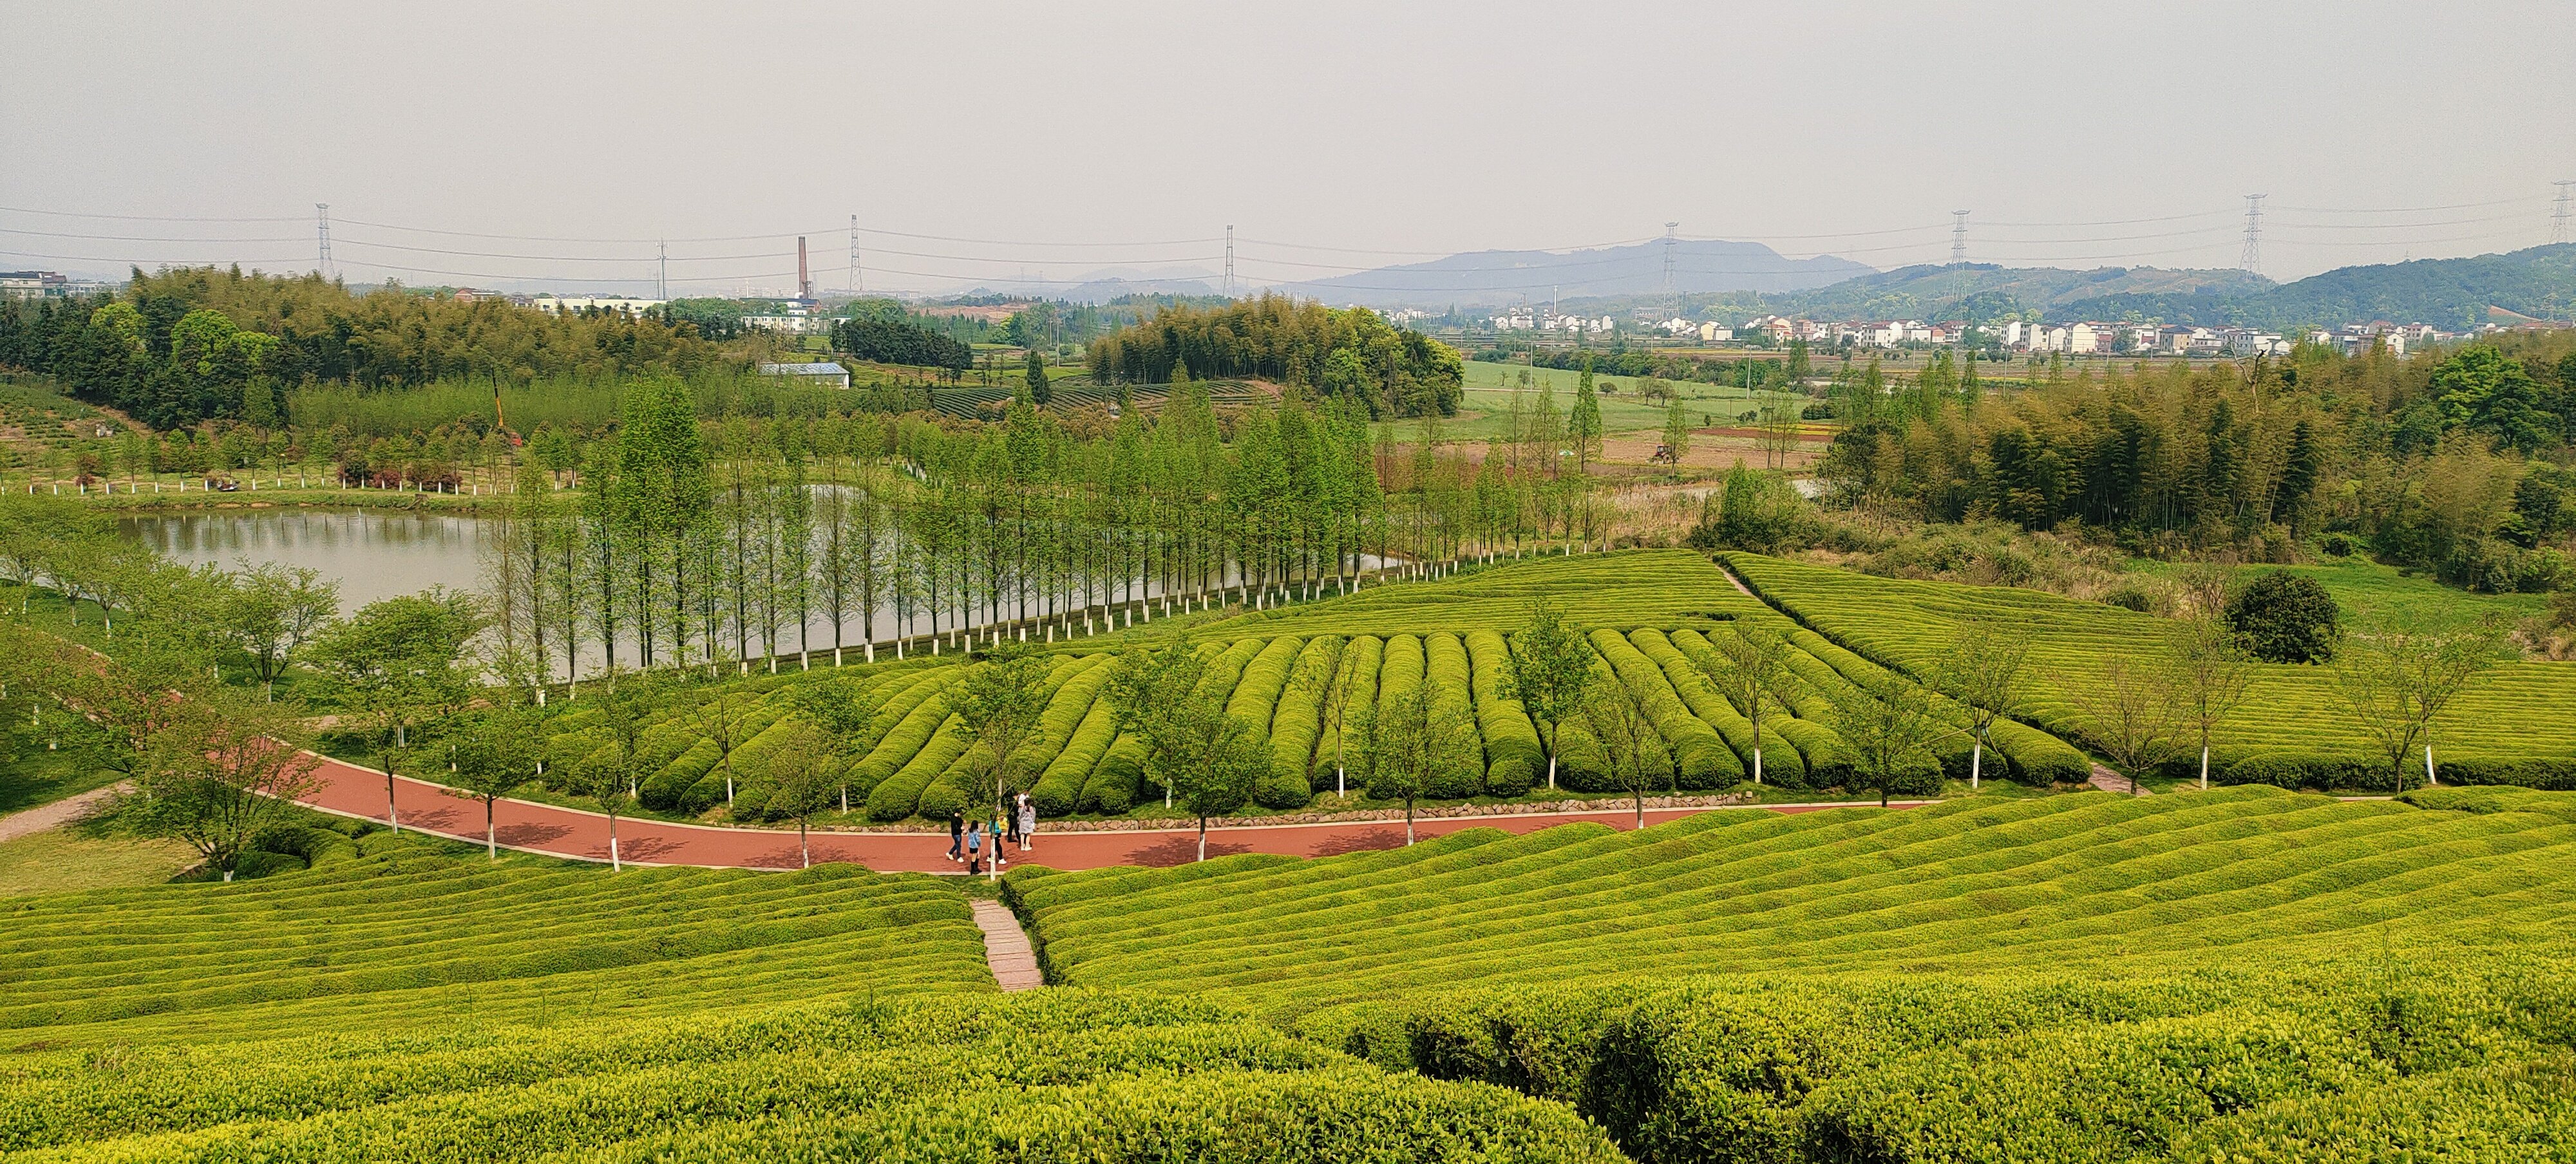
x: 1006, y: 947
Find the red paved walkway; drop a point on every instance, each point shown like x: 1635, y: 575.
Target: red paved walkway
x: 351, y: 790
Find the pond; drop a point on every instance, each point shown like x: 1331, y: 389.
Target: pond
x: 372, y: 554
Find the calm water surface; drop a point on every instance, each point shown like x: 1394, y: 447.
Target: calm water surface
x: 371, y: 554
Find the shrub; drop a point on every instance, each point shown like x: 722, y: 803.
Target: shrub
x: 2295, y: 770
x: 1701, y: 758
x: 1367, y: 655
x: 1461, y: 772
x: 1515, y: 759
x: 1677, y: 655
x: 1059, y: 789
x: 2285, y: 618
x: 1296, y: 724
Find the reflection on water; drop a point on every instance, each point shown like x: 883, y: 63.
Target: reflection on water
x: 371, y: 554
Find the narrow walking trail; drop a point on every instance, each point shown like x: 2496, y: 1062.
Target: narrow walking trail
x: 351, y: 790
x: 61, y: 812
x: 1006, y: 947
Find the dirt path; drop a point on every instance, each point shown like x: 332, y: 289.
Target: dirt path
x: 350, y: 790
x: 1006, y: 947
x: 2110, y: 781
x: 46, y: 816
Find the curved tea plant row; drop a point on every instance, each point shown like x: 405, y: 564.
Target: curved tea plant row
x: 2035, y: 883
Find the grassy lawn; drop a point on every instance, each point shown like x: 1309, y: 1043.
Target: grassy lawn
x: 61, y: 861
x: 31, y: 775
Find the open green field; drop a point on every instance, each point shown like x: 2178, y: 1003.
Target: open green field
x: 1484, y: 408
x: 2370, y: 590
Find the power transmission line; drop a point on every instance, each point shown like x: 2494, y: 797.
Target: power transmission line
x: 2252, y: 257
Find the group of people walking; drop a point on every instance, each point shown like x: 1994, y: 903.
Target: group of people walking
x: 968, y: 841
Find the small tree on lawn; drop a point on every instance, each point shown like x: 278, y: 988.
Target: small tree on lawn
x: 1628, y: 739
x: 1548, y: 670
x: 718, y: 716
x: 804, y: 770
x: 1149, y: 689
x: 608, y: 776
x: 1000, y: 702
x: 1751, y: 669
x: 1402, y: 744
x: 2133, y: 716
x: 847, y: 713
x: 1337, y: 704
x: 491, y: 753
x: 2396, y: 682
x: 1889, y: 726
x: 397, y: 661
x: 272, y: 613
x: 2210, y: 671
x: 213, y: 776
x: 1983, y: 671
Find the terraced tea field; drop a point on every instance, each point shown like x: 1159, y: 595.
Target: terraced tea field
x: 2515, y: 724
x: 1652, y: 614
x: 1062, y: 1075
x: 1969, y: 886
x: 405, y: 934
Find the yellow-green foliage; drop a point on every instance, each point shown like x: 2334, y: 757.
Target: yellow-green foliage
x: 2044, y: 882
x: 1296, y: 723
x: 1514, y: 760
x: 407, y: 934
x: 1049, y: 1075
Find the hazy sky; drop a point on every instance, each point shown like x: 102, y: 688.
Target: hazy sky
x: 1395, y: 131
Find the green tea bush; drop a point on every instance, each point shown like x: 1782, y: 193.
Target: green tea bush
x: 899, y: 795
x: 1297, y: 723
x: 1700, y: 755
x: 1515, y: 759
x: 1461, y: 770
x: 1780, y: 764
x: 1059, y: 789
x: 1367, y: 659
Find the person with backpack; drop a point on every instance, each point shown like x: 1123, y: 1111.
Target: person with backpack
x: 957, y: 835
x: 975, y: 848
x: 999, y: 817
x: 1028, y: 821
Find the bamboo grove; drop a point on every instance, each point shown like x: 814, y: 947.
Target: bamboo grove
x: 682, y: 542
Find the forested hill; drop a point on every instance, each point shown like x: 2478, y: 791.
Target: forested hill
x: 1494, y: 277
x: 2449, y: 293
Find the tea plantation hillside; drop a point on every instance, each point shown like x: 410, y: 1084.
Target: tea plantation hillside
x: 1655, y: 620
x: 1054, y: 1076
x: 407, y: 934
x: 1973, y: 885
x: 2515, y: 724
x: 2241, y: 975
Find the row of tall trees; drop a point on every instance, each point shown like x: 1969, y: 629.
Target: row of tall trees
x: 675, y: 541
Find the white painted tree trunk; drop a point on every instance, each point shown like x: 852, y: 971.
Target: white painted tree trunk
x: 614, y: 864
x: 1757, y: 766
x: 1977, y: 766
x: 2429, y: 780
x: 2204, y: 767
x: 1551, y: 773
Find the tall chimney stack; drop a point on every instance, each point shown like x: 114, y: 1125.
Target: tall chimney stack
x: 804, y: 282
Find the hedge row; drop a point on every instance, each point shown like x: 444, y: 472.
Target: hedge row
x: 1367, y: 658
x: 1701, y: 758
x: 1297, y: 723
x: 1515, y: 760
x: 1780, y: 765
x: 1445, y: 672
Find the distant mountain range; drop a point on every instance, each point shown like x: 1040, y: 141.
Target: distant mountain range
x: 1492, y: 278
x: 2539, y: 282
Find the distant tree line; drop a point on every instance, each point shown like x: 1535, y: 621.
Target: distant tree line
x: 1347, y: 354
x: 191, y: 344
x: 2452, y: 461
x: 900, y: 341
x: 1638, y: 363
